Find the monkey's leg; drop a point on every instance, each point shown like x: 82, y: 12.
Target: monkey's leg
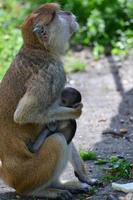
x: 52, y: 193
x: 42, y: 168
x: 61, y: 189
x: 73, y: 187
x: 67, y: 128
x: 78, y: 165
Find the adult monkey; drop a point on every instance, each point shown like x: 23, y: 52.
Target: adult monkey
x: 28, y: 100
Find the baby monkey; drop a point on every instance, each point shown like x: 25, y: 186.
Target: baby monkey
x: 70, y: 97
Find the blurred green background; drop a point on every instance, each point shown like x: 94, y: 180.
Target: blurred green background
x: 105, y: 26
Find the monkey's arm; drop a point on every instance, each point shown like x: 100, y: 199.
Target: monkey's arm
x: 34, y: 107
x: 31, y: 110
x: 59, y: 113
x: 35, y: 146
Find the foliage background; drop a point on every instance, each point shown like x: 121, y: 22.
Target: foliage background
x: 105, y: 26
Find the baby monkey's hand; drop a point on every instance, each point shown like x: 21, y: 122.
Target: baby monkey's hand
x: 78, y: 108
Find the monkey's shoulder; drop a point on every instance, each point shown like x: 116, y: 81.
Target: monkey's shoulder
x: 36, y: 62
x: 52, y: 68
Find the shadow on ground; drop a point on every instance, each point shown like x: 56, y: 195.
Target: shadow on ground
x: 117, y: 138
x: 122, y: 121
x: 107, y: 91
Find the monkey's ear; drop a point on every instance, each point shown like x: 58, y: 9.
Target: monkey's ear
x: 28, y: 21
x: 38, y: 29
x: 41, y: 31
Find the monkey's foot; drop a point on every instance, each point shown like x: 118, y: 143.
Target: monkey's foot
x: 64, y: 195
x: 95, y: 182
x: 83, y: 188
x: 85, y: 179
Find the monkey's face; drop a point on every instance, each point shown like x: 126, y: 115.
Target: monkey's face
x: 55, y: 29
x: 68, y: 19
x: 70, y: 97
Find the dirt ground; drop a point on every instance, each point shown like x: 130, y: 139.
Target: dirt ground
x: 107, y: 91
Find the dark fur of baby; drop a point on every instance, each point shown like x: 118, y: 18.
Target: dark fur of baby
x: 70, y: 97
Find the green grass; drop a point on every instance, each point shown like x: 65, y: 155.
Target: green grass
x: 88, y: 155
x: 73, y: 64
x: 118, y: 168
x: 100, y: 162
x: 11, y: 16
x: 114, y: 168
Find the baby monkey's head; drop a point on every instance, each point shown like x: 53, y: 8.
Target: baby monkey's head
x: 70, y: 97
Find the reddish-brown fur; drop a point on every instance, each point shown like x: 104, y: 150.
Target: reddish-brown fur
x: 20, y: 169
x: 36, y: 76
x: 44, y: 13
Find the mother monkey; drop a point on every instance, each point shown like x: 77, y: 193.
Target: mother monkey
x: 29, y: 95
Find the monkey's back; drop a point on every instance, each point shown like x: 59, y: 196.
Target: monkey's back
x: 13, y: 87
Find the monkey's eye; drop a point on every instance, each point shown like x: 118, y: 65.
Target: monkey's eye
x: 65, y: 13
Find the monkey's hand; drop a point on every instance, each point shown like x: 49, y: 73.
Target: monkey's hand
x: 52, y: 126
x: 78, y: 108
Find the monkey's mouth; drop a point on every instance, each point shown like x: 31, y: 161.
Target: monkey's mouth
x: 74, y: 24
x: 74, y: 27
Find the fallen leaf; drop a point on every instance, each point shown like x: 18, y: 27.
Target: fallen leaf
x: 123, y: 131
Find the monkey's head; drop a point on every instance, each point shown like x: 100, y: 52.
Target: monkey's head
x: 70, y: 97
x: 49, y: 28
